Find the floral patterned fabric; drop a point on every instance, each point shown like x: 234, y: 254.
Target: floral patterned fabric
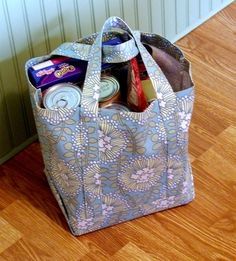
x: 106, y: 166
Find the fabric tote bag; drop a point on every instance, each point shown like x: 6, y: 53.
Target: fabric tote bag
x: 106, y: 166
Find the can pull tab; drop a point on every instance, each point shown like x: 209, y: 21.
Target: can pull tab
x: 62, y: 103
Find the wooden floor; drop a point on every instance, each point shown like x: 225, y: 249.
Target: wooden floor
x: 33, y: 228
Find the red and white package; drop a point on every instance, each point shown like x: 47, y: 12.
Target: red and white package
x: 136, y: 99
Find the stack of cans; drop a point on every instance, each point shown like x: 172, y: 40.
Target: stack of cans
x: 68, y: 95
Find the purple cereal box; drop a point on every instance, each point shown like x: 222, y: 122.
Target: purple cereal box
x: 57, y: 70
x: 62, y: 69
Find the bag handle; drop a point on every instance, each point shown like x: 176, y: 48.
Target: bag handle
x: 161, y: 86
x: 111, y: 53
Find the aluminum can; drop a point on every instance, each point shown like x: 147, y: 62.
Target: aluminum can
x: 63, y: 95
x: 109, y: 91
x: 117, y: 106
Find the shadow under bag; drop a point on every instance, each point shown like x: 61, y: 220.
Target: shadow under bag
x: 107, y: 166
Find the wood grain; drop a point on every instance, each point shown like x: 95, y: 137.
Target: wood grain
x: 131, y: 252
x: 32, y: 226
x: 8, y: 235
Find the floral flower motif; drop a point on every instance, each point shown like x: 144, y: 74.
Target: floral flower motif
x: 112, y: 141
x: 90, y: 93
x: 113, y: 207
x: 71, y: 204
x: 159, y: 134
x: 106, y: 209
x: 84, y: 220
x: 96, y: 96
x: 185, y: 106
x: 55, y: 116
x: 161, y: 203
x: 79, y: 139
x: 138, y: 140
x: 140, y: 118
x: 96, y: 87
x: 175, y: 172
x: 185, y: 120
x: 162, y: 103
x: 142, y: 173
x: 159, y: 96
x: 92, y: 179
x: 88, y: 217
x: 97, y: 179
x: 66, y: 179
x: 185, y: 187
x: 185, y: 115
x: 85, y: 223
x: 164, y: 203
x: 104, y: 142
x: 158, y: 203
x: 170, y: 173
x: 165, y: 97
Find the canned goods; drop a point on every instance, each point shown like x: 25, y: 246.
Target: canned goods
x: 116, y: 106
x: 109, y: 91
x: 63, y: 95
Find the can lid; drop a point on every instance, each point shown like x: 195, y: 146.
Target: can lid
x: 109, y: 87
x: 63, y: 95
x: 116, y: 106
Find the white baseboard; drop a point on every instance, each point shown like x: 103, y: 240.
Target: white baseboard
x: 200, y: 21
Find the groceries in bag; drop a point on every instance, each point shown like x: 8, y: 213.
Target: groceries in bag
x: 127, y: 83
x: 68, y: 95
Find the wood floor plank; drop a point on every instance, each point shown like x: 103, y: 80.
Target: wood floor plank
x: 47, y: 238
x: 227, y: 18
x: 205, y: 50
x: 24, y: 251
x: 212, y: 79
x: 96, y: 253
x: 106, y: 239
x: 131, y: 252
x: 18, y: 181
x: 6, y: 198
x: 211, y: 29
x: 225, y: 227
x: 214, y: 108
x: 220, y: 159
x: 8, y: 235
x: 199, y: 133
x: 149, y: 235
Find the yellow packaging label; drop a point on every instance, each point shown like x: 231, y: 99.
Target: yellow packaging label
x: 148, y: 90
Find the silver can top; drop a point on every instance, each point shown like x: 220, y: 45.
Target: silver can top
x: 63, y: 95
x: 109, y: 88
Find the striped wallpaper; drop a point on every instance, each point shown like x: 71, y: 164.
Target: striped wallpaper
x: 31, y: 28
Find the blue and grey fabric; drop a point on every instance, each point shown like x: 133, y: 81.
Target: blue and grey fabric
x: 106, y: 166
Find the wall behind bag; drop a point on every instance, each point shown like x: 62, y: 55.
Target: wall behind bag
x: 30, y: 28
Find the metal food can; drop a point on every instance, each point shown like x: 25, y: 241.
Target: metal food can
x: 117, y: 106
x: 62, y: 95
x: 109, y: 91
